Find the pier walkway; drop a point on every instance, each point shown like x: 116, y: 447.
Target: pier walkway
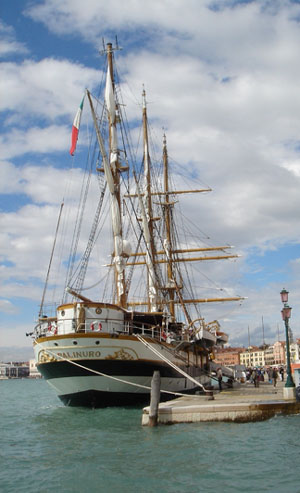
x: 240, y: 404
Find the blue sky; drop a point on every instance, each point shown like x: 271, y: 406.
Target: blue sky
x: 223, y: 79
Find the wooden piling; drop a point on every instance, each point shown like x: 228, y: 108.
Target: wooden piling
x: 154, y: 399
x: 209, y: 394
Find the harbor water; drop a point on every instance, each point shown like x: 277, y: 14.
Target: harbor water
x: 46, y: 447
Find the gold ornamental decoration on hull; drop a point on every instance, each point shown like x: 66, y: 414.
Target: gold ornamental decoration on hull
x: 121, y: 354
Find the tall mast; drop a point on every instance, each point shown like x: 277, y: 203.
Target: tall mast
x: 172, y: 285
x: 168, y: 240
x: 114, y: 165
x: 152, y: 277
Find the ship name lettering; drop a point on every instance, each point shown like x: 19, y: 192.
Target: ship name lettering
x: 80, y: 354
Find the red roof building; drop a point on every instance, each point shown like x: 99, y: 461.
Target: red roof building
x: 228, y: 356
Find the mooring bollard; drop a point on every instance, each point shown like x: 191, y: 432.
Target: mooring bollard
x: 209, y: 394
x: 154, y: 399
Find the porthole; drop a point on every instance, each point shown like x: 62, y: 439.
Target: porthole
x: 97, y: 343
x: 62, y: 313
x: 55, y: 344
x: 75, y: 343
x: 98, y: 311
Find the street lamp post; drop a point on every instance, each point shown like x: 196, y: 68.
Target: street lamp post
x: 286, y: 314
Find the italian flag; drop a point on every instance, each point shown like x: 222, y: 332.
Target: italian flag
x: 75, y: 128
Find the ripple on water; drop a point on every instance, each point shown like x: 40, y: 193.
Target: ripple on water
x: 47, y: 447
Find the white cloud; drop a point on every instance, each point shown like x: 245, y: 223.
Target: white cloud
x: 49, y: 88
x: 174, y: 26
x: 37, y: 93
x: 9, y: 45
x: 7, y: 307
x: 35, y: 140
x: 224, y: 84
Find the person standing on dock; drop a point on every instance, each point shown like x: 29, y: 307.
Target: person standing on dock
x: 255, y: 377
x: 269, y: 372
x: 220, y: 376
x: 281, y: 373
x: 274, y: 376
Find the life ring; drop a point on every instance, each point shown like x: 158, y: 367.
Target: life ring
x: 96, y: 326
x: 52, y: 327
x: 163, y: 335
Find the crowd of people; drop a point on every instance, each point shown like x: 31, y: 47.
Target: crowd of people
x: 256, y: 375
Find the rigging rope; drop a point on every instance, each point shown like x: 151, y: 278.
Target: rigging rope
x: 51, y: 258
x: 142, y: 340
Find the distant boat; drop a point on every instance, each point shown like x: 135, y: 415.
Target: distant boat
x: 103, y: 352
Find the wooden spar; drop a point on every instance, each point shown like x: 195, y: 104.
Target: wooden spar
x: 215, y: 300
x: 78, y: 295
x: 186, y: 250
x: 188, y: 302
x: 215, y: 257
x: 173, y: 192
x: 194, y: 259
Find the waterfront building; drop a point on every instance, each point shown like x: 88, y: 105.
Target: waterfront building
x: 269, y: 356
x: 253, y: 356
x: 14, y: 370
x: 294, y: 351
x: 229, y: 356
x: 3, y: 374
x: 279, y: 353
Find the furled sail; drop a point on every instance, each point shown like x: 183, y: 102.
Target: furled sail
x: 119, y: 260
x: 111, y: 107
x: 121, y: 247
x: 153, y: 295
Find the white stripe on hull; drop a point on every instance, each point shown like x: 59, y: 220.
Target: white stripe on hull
x: 73, y: 385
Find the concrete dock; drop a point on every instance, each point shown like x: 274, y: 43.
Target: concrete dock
x: 240, y: 404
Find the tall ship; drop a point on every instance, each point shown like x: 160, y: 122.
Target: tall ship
x: 144, y: 315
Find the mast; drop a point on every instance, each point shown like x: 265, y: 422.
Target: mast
x: 168, y: 240
x: 149, y: 234
x: 114, y: 165
x: 112, y: 169
x: 172, y: 285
